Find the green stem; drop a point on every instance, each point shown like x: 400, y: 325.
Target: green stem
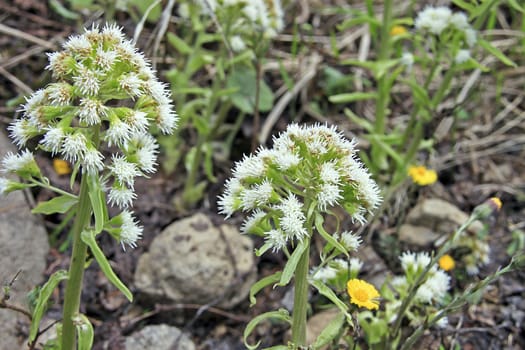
x: 76, y: 268
x: 383, y: 96
x: 421, y: 278
x: 300, y: 302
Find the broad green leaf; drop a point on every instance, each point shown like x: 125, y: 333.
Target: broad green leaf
x: 280, y: 315
x: 496, y: 52
x: 323, y: 289
x: 85, y: 332
x: 88, y: 237
x: 328, y: 237
x: 352, y: 97
x: 98, y: 202
x: 358, y: 21
x: 291, y: 264
x: 60, y: 204
x: 81, y: 4
x: 330, y: 332
x: 375, y: 328
x: 41, y: 301
x: 245, y: 81
x: 263, y: 282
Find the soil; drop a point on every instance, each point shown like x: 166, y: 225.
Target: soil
x: 477, y: 158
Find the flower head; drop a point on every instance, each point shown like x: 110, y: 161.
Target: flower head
x: 446, y: 262
x: 363, y: 294
x: 398, y: 30
x: 422, y: 176
x: 278, y: 182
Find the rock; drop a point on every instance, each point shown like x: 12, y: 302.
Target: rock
x: 159, y: 337
x: 318, y: 322
x: 23, y: 247
x: 431, y: 219
x: 193, y: 261
x: 417, y: 235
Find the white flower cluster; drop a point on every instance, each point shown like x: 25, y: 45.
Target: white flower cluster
x: 338, y: 270
x: 437, y: 19
x: 436, y: 284
x: 106, y: 96
x: 307, y: 166
x: 264, y: 16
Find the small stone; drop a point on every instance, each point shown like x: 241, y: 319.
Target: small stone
x: 159, y: 337
x: 23, y: 247
x: 194, y: 261
x: 432, y: 219
x: 318, y: 322
x: 417, y: 235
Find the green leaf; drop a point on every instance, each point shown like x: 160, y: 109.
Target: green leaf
x: 60, y: 204
x: 323, y: 289
x: 352, y: 97
x: 245, y: 80
x: 98, y: 202
x: 362, y: 122
x: 41, y: 301
x: 263, y: 282
x: 88, y: 237
x: 179, y: 44
x: 291, y: 264
x: 328, y: 237
x: 143, y: 5
x: 62, y: 11
x: 85, y: 332
x: 281, y: 315
x: 330, y: 332
x: 496, y: 52
x: 208, y: 162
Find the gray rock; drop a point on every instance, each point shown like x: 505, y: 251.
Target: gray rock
x: 318, y: 322
x: 432, y: 219
x: 159, y: 337
x: 23, y: 246
x: 193, y: 261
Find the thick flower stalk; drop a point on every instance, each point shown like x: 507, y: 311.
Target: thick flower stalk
x: 98, y: 115
x: 288, y: 189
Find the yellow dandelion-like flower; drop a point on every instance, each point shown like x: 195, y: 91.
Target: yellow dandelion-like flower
x: 398, y: 30
x: 446, y: 262
x: 363, y: 294
x: 61, y: 167
x: 422, y: 176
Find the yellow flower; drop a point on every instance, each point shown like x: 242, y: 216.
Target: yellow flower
x: 446, y: 262
x: 397, y: 30
x: 61, y: 167
x: 422, y: 176
x: 497, y: 202
x: 363, y: 294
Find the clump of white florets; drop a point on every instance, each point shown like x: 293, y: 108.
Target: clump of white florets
x: 308, y: 168
x: 437, y: 20
x: 106, y: 97
x: 254, y: 16
x: 434, y: 288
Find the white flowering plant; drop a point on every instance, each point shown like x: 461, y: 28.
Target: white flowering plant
x: 429, y: 58
x: 218, y: 46
x: 422, y: 296
x: 99, y: 115
x: 289, y: 190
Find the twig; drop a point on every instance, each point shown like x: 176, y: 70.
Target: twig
x: 23, y: 35
x: 275, y: 114
x: 26, y: 89
x: 163, y: 25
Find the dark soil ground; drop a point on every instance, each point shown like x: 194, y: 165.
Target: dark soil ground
x: 478, y: 158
